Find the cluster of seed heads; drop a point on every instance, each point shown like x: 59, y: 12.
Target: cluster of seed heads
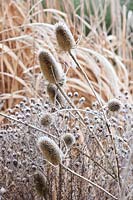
x: 20, y: 158
x: 19, y: 154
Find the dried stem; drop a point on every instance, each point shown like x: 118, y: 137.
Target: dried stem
x: 96, y: 163
x: 96, y: 138
x: 26, y: 124
x: 89, y: 181
x: 70, y: 103
x: 90, y: 85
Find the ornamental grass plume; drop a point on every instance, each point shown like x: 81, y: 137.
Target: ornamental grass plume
x: 51, y: 70
x: 50, y: 150
x: 64, y: 37
x: 114, y: 105
x: 41, y: 184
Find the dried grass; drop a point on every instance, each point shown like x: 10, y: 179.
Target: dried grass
x: 26, y: 27
x: 105, y: 55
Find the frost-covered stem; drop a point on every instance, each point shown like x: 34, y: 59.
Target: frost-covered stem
x: 97, y: 163
x: 27, y: 124
x: 96, y: 138
x: 104, y: 115
x: 89, y: 181
x: 70, y: 103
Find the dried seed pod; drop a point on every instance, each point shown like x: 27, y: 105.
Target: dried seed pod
x: 114, y: 105
x: 50, y: 150
x: 55, y: 95
x: 46, y: 119
x: 64, y: 37
x: 69, y: 139
x: 41, y: 185
x: 51, y: 70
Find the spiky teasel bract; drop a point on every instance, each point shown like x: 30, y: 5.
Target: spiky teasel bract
x: 64, y: 37
x: 55, y: 95
x: 114, y: 105
x: 50, y: 150
x: 69, y: 139
x: 41, y: 184
x: 46, y: 119
x: 51, y: 70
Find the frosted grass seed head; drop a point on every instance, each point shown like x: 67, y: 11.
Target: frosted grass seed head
x: 114, y: 105
x: 64, y: 37
x: 51, y: 70
x: 69, y: 139
x: 50, y: 150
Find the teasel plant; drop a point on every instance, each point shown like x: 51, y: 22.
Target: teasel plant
x: 53, y: 154
x: 44, y: 147
x: 70, y: 45
x: 56, y: 138
x: 47, y: 61
x: 46, y: 151
x: 83, y: 164
x: 66, y: 42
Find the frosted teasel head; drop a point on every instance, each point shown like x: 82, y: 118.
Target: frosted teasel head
x: 55, y: 95
x: 50, y: 150
x: 41, y: 184
x: 114, y: 105
x: 69, y: 139
x: 64, y: 37
x: 50, y: 68
x: 46, y: 119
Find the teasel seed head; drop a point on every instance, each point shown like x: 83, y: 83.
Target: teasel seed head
x: 46, y: 119
x: 55, y: 95
x: 51, y: 70
x: 64, y: 37
x: 41, y: 185
x: 114, y: 105
x: 50, y: 150
x: 69, y: 139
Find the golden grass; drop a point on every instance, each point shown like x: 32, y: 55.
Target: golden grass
x: 26, y: 27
